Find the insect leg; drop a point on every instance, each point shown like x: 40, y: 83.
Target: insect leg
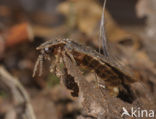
x: 59, y: 71
x: 68, y: 52
x: 52, y: 67
x: 55, y: 67
x: 99, y: 85
x: 41, y: 58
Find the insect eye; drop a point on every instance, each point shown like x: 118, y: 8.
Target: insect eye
x: 48, y: 50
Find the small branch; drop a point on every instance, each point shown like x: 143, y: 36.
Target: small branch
x: 20, y: 96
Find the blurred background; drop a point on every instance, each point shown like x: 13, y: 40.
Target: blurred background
x: 24, y: 24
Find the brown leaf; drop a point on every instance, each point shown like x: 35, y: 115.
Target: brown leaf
x: 17, y: 34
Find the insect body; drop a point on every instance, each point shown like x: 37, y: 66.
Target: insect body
x: 82, y: 56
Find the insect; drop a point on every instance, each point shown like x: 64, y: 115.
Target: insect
x: 81, y: 56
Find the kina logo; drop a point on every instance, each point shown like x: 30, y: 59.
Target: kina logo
x: 138, y: 112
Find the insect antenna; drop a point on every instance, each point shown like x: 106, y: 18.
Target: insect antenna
x: 36, y: 66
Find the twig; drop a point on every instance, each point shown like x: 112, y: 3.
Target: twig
x: 18, y: 92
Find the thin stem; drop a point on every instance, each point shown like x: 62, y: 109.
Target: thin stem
x: 102, y: 37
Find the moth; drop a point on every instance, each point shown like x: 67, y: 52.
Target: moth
x: 82, y: 57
